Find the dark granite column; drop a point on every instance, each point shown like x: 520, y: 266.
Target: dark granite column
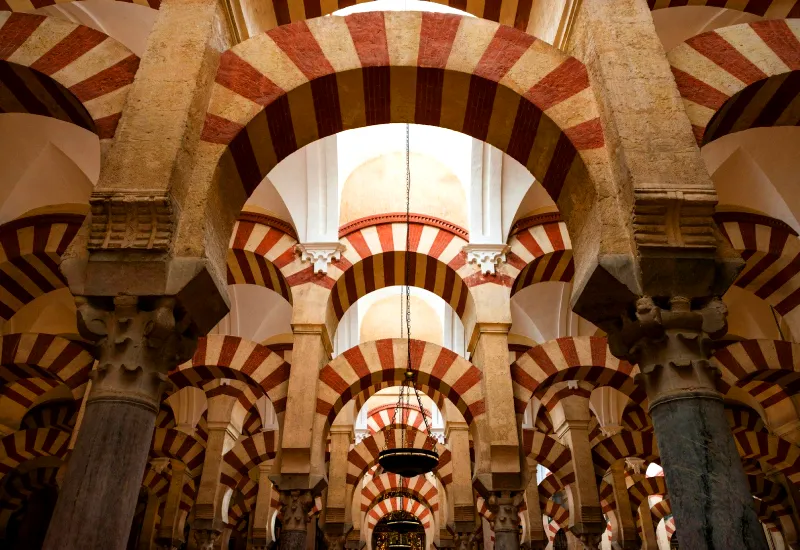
x: 136, y: 342
x: 710, y: 495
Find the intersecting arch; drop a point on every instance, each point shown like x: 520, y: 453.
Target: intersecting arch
x: 540, y: 253
x: 623, y: 445
x: 739, y: 77
x: 393, y: 504
x: 248, y: 453
x: 298, y: 83
x: 93, y: 69
x: 770, y: 9
x: 24, y: 445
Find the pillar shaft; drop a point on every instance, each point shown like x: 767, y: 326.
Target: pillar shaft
x: 707, y: 485
x: 137, y: 341
x: 461, y: 488
x: 537, y: 538
x: 261, y: 535
x: 624, y: 528
x: 148, y: 534
x: 341, y: 437
x: 170, y: 533
x: 648, y: 531
x: 500, y: 469
x: 571, y: 423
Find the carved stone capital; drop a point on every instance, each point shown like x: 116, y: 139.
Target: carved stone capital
x: 320, y: 254
x: 505, y: 506
x: 335, y: 542
x: 136, y: 221
x: 206, y: 538
x: 671, y: 343
x: 488, y: 256
x: 461, y: 541
x: 295, y: 507
x: 137, y: 341
x: 635, y: 465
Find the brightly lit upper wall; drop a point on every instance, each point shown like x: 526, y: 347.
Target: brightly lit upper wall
x: 379, y: 186
x: 382, y: 319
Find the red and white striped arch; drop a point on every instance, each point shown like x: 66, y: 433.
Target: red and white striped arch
x: 772, y: 494
x: 409, y: 415
x: 739, y: 77
x: 54, y: 414
x: 744, y: 419
x: 21, y: 446
x: 419, y: 487
x: 18, y: 489
x: 771, y: 251
x: 581, y: 358
x: 263, y: 254
x: 394, y: 504
x: 551, y: 454
x: 95, y: 69
x: 643, y: 488
x: 170, y: 443
x: 623, y: 445
x: 294, y: 84
x: 248, y: 453
x: 33, y: 355
x: 17, y: 398
x: 558, y: 513
x: 769, y: 9
x: 374, y: 258
x: 221, y: 356
x: 364, y: 455
x: 540, y: 253
x: 30, y: 253
x: 371, y: 366
x: 560, y: 390
x: 777, y: 452
x: 769, y: 370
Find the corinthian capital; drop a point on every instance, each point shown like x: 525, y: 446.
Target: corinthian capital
x: 296, y: 505
x: 137, y: 341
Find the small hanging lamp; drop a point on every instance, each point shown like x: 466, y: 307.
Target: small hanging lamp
x: 405, y: 460
x: 399, y: 543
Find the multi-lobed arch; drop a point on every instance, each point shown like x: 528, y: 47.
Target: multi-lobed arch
x: 370, y: 366
x: 771, y: 250
x: 223, y: 356
x: 582, y: 358
x: 538, y: 253
x: 739, y: 77
x: 419, y: 487
x: 92, y: 67
x: 294, y: 84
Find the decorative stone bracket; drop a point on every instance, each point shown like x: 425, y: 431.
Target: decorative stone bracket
x: 139, y: 221
x: 321, y: 254
x: 489, y: 256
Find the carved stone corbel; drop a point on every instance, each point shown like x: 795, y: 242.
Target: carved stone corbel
x: 320, y: 254
x: 487, y: 256
x: 134, y: 221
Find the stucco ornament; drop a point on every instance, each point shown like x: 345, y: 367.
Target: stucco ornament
x: 488, y: 256
x: 295, y: 506
x: 320, y: 254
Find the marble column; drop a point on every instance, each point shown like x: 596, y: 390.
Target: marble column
x: 222, y: 435
x: 461, y: 492
x: 648, y: 531
x: 170, y: 533
x: 149, y: 523
x: 623, y: 526
x: 136, y: 342
x: 261, y: 535
x: 709, y: 492
x: 571, y: 424
x: 537, y: 538
x: 295, y: 506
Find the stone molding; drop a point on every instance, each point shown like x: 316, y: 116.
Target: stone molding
x: 131, y: 221
x: 532, y: 221
x: 400, y: 217
x: 320, y: 254
x: 270, y: 221
x: 487, y: 256
x: 752, y: 217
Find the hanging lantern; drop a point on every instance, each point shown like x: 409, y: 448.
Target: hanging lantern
x: 399, y: 543
x: 402, y: 522
x: 405, y: 460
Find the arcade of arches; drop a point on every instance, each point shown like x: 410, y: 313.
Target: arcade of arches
x: 203, y: 247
